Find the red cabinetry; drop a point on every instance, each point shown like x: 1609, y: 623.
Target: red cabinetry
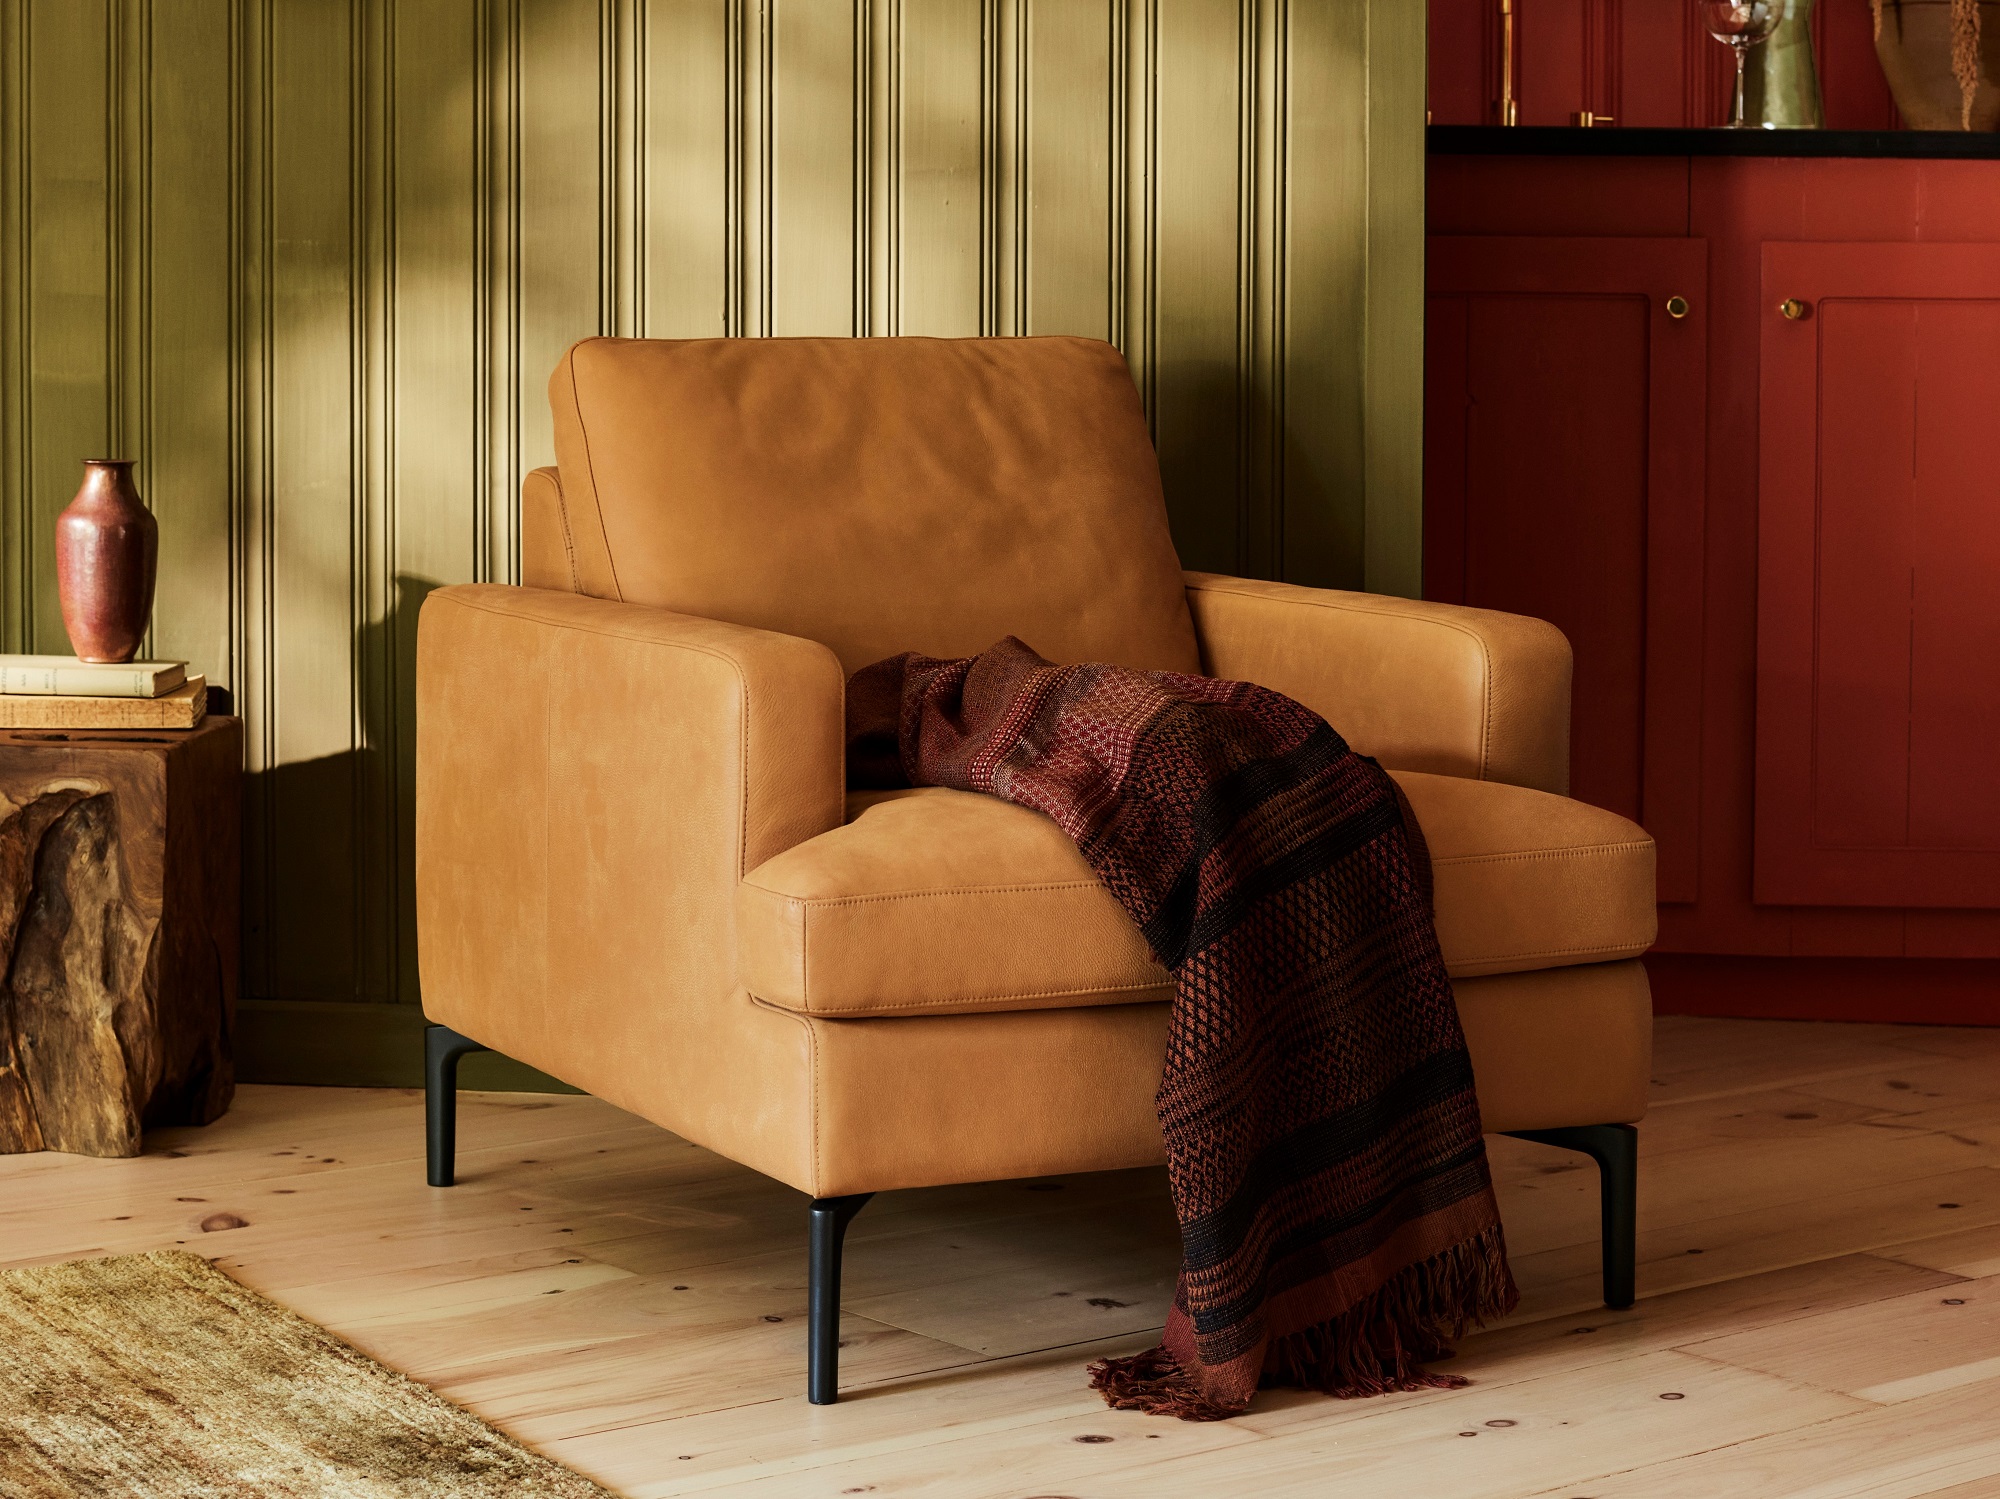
x: 1774, y: 542
x: 1878, y: 632
x: 1571, y: 488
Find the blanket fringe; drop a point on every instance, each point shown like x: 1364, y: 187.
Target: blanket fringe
x: 1378, y: 1345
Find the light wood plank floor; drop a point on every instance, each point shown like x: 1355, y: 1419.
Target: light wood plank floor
x: 1820, y: 1312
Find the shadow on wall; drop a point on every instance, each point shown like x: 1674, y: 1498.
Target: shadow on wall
x: 1290, y: 482
x: 329, y: 898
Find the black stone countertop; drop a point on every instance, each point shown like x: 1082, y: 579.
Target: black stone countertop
x: 1610, y: 140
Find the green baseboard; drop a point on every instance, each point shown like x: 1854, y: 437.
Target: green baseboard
x: 359, y: 1046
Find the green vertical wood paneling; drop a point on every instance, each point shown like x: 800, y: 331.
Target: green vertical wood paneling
x: 69, y: 329
x: 1007, y: 194
x: 559, y: 276
x: 17, y: 549
x: 244, y: 72
x: 378, y: 345
x: 1325, y: 280
x: 814, y: 152
x: 312, y: 261
x: 317, y: 427
x: 1198, y: 260
x: 1391, y: 382
x: 436, y: 372
x: 1070, y: 92
x: 188, y: 329
x: 496, y: 173
x: 129, y: 225
x: 939, y: 177
x: 686, y: 161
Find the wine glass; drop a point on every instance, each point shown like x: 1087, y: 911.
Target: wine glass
x: 1741, y: 24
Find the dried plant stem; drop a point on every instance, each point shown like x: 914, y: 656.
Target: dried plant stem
x: 1964, y: 50
x: 1965, y: 55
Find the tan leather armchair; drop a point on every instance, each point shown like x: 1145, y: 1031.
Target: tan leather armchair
x: 639, y: 870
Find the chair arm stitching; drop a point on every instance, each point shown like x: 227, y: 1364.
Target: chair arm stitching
x: 641, y: 638
x: 812, y: 1075
x: 827, y: 902
x: 805, y: 936
x: 861, y: 1011
x: 1542, y: 853
x: 742, y: 770
x: 568, y: 540
x: 548, y: 813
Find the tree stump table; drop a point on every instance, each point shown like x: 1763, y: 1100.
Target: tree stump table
x: 120, y: 908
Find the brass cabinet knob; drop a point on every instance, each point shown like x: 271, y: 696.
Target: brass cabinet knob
x: 1677, y: 307
x: 1793, y: 308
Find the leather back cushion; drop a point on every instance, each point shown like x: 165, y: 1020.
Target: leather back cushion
x: 875, y: 494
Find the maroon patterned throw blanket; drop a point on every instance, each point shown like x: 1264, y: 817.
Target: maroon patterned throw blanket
x: 1338, y: 1227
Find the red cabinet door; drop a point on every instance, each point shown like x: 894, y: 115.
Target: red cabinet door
x: 1565, y: 420
x: 1878, y: 565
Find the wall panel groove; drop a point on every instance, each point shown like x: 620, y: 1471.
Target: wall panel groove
x: 1137, y: 309
x: 257, y: 685
x: 312, y: 261
x: 1250, y: 198
x: 17, y: 553
x: 761, y: 93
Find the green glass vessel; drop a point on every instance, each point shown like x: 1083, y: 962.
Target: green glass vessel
x: 1780, y: 83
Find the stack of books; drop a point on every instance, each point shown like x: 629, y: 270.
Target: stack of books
x: 61, y: 692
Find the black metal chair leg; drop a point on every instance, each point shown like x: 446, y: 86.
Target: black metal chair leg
x: 827, y: 1222
x: 442, y: 1049
x: 1615, y: 1148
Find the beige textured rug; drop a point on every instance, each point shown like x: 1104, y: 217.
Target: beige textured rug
x: 155, y: 1376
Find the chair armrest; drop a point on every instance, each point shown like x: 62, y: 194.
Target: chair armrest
x: 548, y: 558
x: 592, y: 780
x: 1430, y: 687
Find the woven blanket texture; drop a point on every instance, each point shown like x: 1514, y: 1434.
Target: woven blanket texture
x: 1323, y: 1143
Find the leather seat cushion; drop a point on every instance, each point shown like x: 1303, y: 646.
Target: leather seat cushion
x: 935, y: 902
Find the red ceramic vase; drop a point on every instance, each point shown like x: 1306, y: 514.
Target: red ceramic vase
x: 107, y: 548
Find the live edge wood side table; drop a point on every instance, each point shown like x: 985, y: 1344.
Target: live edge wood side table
x: 120, y: 913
